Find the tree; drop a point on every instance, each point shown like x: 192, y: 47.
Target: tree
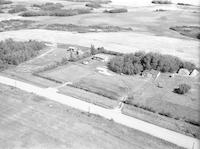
x: 182, y: 89
x: 93, y: 51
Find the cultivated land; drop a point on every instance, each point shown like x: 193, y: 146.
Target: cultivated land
x: 167, y: 29
x: 29, y: 121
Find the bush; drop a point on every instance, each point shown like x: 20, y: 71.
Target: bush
x: 97, y: 1
x: 198, y: 36
x: 116, y: 64
x: 93, y: 5
x: 183, y: 4
x: 2, y: 2
x: 188, y: 65
x: 160, y: 10
x: 138, y: 62
x: 1, y: 11
x: 49, y: 6
x: 182, y: 89
x: 34, y: 13
x: 161, y: 2
x: 17, y: 8
x: 14, y: 53
x: 57, y: 12
x: 117, y: 10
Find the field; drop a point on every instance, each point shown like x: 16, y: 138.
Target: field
x: 69, y: 28
x: 52, y: 125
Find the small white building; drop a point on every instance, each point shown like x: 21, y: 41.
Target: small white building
x: 101, y: 57
x: 194, y: 73
x: 183, y: 72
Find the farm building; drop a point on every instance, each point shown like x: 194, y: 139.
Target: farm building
x: 194, y: 73
x: 75, y: 50
x: 101, y: 57
x: 151, y: 74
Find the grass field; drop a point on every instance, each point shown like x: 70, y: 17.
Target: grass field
x: 52, y: 125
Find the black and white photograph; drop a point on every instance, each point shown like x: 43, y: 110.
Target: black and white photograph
x: 99, y: 74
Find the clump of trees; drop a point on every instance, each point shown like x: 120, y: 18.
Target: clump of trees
x: 2, y: 2
x: 17, y: 8
x: 116, y: 10
x: 56, y: 12
x: 136, y: 63
x: 161, y: 2
x: 1, y: 11
x: 14, y: 52
x: 34, y: 13
x: 93, y: 5
x: 98, y: 50
x: 49, y: 6
x: 182, y: 89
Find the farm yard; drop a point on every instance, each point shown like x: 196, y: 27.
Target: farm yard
x: 146, y: 66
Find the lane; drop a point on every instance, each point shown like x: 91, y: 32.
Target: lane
x: 159, y: 132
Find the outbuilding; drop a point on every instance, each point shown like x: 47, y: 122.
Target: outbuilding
x: 183, y: 72
x: 194, y: 73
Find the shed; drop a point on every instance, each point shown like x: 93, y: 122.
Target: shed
x: 194, y: 73
x: 75, y: 50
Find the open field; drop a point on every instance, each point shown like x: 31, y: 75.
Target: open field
x: 50, y: 122
x: 112, y: 41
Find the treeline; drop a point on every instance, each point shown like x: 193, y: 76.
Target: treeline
x: 57, y: 12
x: 54, y: 9
x: 49, y: 6
x: 3, y: 2
x: 116, y: 10
x: 17, y: 9
x: 161, y: 2
x: 136, y: 63
x: 14, y: 52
